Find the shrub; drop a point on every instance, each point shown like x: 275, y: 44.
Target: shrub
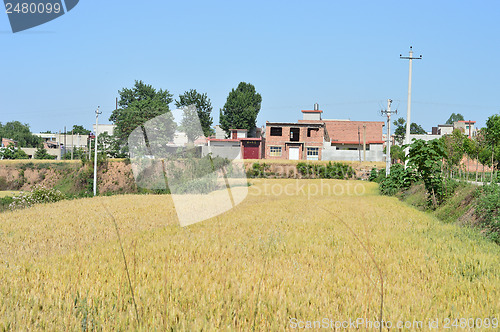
x: 398, y: 179
x: 38, y: 194
x: 488, y: 210
x: 328, y: 171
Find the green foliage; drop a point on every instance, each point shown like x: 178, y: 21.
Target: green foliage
x: 38, y: 195
x: 377, y: 175
x: 259, y: 170
x: 454, y: 118
x: 190, y: 123
x: 197, y: 175
x: 492, y: 136
x: 79, y: 130
x: 488, y: 210
x: 325, y: 171
x: 425, y: 158
x: 203, y: 107
x: 20, y: 133
x: 454, y: 148
x: 138, y: 105
x: 397, y: 152
x: 400, y: 131
x: 12, y: 152
x: 109, y: 146
x: 78, y: 153
x: 241, y: 108
x: 399, y: 179
x: 41, y: 153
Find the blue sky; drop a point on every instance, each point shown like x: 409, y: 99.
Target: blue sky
x: 342, y: 54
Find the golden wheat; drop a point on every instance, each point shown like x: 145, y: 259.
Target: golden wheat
x: 282, y: 255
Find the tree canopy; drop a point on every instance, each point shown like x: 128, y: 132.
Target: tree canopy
x: 203, y: 107
x: 400, y: 131
x: 79, y: 130
x: 138, y: 105
x: 241, y: 108
x: 454, y: 118
x: 20, y: 133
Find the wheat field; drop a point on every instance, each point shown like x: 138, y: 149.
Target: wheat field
x: 294, y: 252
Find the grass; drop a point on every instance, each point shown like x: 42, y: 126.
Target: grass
x: 378, y: 164
x: 274, y: 258
x: 8, y: 193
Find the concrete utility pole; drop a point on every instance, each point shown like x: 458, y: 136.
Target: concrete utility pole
x: 95, y: 155
x: 388, y: 112
x: 408, y: 110
x: 364, y: 142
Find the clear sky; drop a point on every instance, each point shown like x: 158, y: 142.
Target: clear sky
x: 342, y: 54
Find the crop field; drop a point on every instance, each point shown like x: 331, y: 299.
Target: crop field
x: 294, y: 251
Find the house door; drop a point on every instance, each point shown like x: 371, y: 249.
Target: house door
x: 293, y: 153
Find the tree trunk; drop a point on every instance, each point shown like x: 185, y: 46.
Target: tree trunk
x: 482, y: 174
x: 477, y: 166
x: 492, y: 154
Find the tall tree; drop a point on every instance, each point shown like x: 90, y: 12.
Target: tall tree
x: 20, y: 133
x: 241, y: 108
x: 203, y: 108
x: 400, y: 131
x: 454, y: 118
x: 493, y: 139
x: 140, y: 104
x: 80, y: 130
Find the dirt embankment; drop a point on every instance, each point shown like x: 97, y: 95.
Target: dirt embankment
x: 70, y: 177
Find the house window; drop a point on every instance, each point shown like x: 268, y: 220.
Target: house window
x: 312, y: 153
x: 294, y: 134
x: 275, y: 151
x: 276, y: 131
x: 310, y: 130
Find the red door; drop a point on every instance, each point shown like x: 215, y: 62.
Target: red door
x: 251, y: 149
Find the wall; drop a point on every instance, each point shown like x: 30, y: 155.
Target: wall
x: 374, y: 154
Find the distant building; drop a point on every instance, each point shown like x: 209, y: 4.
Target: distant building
x: 6, y: 142
x: 104, y: 128
x: 314, y: 138
x: 237, y: 146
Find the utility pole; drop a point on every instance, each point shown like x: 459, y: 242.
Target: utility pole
x: 388, y: 112
x: 72, y: 144
x: 364, y: 142
x: 408, y: 110
x: 95, y: 155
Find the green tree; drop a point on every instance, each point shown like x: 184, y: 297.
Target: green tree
x: 425, y: 158
x: 41, y: 153
x: 241, y: 108
x: 20, y: 133
x: 79, y: 130
x: 11, y: 152
x: 110, y: 146
x: 453, y: 149
x: 203, y: 107
x: 492, y: 136
x: 454, y: 118
x: 140, y: 104
x: 400, y: 131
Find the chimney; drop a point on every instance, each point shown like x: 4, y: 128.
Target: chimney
x: 316, y: 106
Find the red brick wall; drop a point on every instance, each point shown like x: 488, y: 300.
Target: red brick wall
x: 315, y: 140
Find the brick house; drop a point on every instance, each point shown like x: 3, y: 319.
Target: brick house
x: 303, y: 140
x: 313, y: 138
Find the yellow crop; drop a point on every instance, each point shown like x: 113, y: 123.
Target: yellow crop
x: 295, y: 251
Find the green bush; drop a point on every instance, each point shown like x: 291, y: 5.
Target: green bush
x: 38, y: 194
x: 398, y: 179
x: 325, y: 171
x: 259, y: 171
x: 488, y: 210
